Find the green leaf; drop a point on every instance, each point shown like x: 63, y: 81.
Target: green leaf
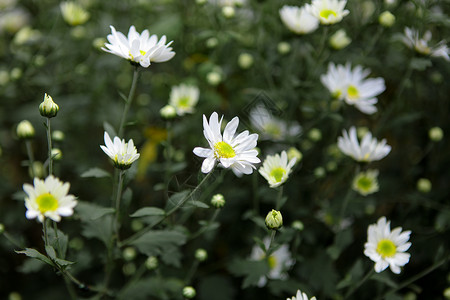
x: 30, y: 252
x: 153, y: 287
x: 176, y: 198
x: 198, y: 204
x: 95, y: 172
x: 148, y: 211
x: 89, y: 211
x: 59, y: 241
x: 251, y: 270
x: 96, y: 221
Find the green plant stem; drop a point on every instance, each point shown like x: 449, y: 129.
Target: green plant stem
x: 168, y: 214
x: 129, y: 100
x: 357, y: 285
x: 44, y: 229
x: 55, y: 227
x: 49, y: 142
x: 279, y: 197
x: 117, y: 203
x: 11, y: 239
x: 168, y: 172
x: 255, y: 195
x: 204, y: 228
x: 191, y: 272
x: 30, y: 157
x: 416, y: 277
x: 272, y: 238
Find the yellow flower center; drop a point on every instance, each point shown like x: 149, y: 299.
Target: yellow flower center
x: 277, y: 173
x: 326, y: 13
x: 184, y: 102
x: 352, y: 92
x: 47, y: 202
x: 364, y: 183
x: 273, y: 129
x: 386, y: 248
x: 143, y: 52
x: 272, y: 260
x: 223, y: 150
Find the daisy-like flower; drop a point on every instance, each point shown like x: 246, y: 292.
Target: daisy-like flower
x: 235, y: 152
x: 279, y: 261
x: 366, y: 183
x: 301, y: 296
x: 138, y: 48
x: 298, y: 19
x: 123, y: 154
x: 73, y: 13
x: 328, y: 11
x: 270, y: 127
x: 183, y: 98
x: 48, y: 199
x: 353, y: 86
x: 276, y: 169
x: 369, y: 149
x: 412, y: 40
x: 386, y: 247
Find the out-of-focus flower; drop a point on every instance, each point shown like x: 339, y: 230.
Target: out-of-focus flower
x: 424, y: 185
x: 183, y: 98
x: 340, y: 40
x: 139, y: 48
x: 48, y: 199
x: 58, y: 136
x: 48, y: 108
x: 298, y: 225
x: 214, y: 78
x: 73, y: 13
x: 301, y: 296
x: 298, y: 19
x: 25, y: 130
x: 235, y: 152
x: 56, y: 154
x: 228, y: 11
x: 353, y: 86
x: 201, y: 254
x: 387, y: 248
x: 36, y: 169
x: 294, y: 153
x: 168, y: 112
x: 189, y: 292
x: 283, y: 48
x: 122, y: 154
x: 386, y: 19
x: 270, y: 127
x: 13, y: 20
x: 328, y: 11
x: 245, y: 60
x: 276, y: 169
x: 279, y: 261
x: 369, y: 149
x: 366, y: 183
x: 151, y: 262
x: 26, y: 35
x: 412, y: 40
x: 435, y: 134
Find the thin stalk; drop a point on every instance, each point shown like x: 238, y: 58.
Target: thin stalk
x: 55, y: 227
x: 272, y: 238
x: 279, y: 197
x: 117, y: 203
x: 129, y: 100
x: 11, y: 239
x: 357, y: 285
x: 255, y: 195
x: 168, y: 172
x: 30, y: 157
x: 203, y: 229
x: 191, y: 272
x: 49, y: 142
x: 44, y: 229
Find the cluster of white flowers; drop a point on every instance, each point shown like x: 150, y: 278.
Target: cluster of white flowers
x: 420, y: 45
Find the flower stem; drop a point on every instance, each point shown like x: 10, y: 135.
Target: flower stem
x: 30, y: 157
x: 191, y: 272
x: 49, y: 142
x: 357, y: 285
x: 272, y: 238
x: 129, y: 100
x: 117, y: 203
x: 279, y: 197
x: 44, y: 229
x: 204, y: 228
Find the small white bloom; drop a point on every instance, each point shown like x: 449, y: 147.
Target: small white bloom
x: 123, y: 154
x: 340, y: 40
x: 139, y: 48
x: 412, y: 40
x: 235, y: 152
x: 184, y: 97
x: 276, y: 169
x: 279, y: 261
x: 366, y: 183
x: 369, y: 149
x: 298, y: 19
x: 301, y: 296
x: 48, y: 199
x: 73, y: 13
x: 353, y: 86
x: 386, y: 247
x: 328, y: 11
x: 270, y: 127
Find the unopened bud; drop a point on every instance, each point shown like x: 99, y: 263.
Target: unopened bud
x: 168, y: 112
x: 213, y: 78
x: 151, y: 263
x: 129, y: 253
x: 424, y: 185
x: 340, y: 40
x: 218, y: 201
x: 201, y: 254
x: 294, y: 153
x: 129, y: 269
x: 315, y: 135
x: 245, y: 60
x: 48, y: 108
x: 2, y: 228
x: 36, y: 170
x: 284, y: 48
x: 298, y: 225
x: 189, y: 292
x: 25, y: 130
x: 447, y: 293
x: 56, y: 154
x: 58, y: 136
x: 386, y: 19
x: 435, y: 134
x: 274, y: 220
x: 228, y: 11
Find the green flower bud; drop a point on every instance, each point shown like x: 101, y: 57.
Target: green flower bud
x: 56, y: 154
x: 294, y: 153
x: 129, y: 269
x: 212, y: 42
x: 37, y: 171
x: 213, y: 78
x: 298, y: 225
x: 319, y: 172
x: 218, y: 201
x: 14, y: 296
x: 98, y: 43
x: 201, y: 254
x: 58, y: 136
x: 2, y: 228
x: 137, y: 225
x: 48, y: 108
x: 274, y: 220
x: 315, y: 135
x: 16, y: 73
x: 189, y: 292
x: 435, y: 134
x: 228, y: 11
x: 339, y: 40
x: 424, y: 185
x: 386, y: 19
x: 76, y: 243
x: 168, y: 112
x: 25, y: 130
x: 447, y: 293
x: 245, y: 60
x: 151, y: 263
x: 283, y: 48
x: 129, y: 253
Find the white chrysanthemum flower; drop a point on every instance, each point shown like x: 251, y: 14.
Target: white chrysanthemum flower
x: 235, y: 152
x: 48, y: 199
x: 73, y: 13
x: 366, y: 183
x: 369, y: 149
x: 270, y: 127
x: 276, y: 169
x: 279, y: 261
x: 301, y: 296
x: 353, y: 86
x: 328, y: 11
x: 139, y: 48
x: 123, y: 154
x: 183, y: 98
x: 386, y: 247
x: 298, y: 19
x: 420, y: 45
